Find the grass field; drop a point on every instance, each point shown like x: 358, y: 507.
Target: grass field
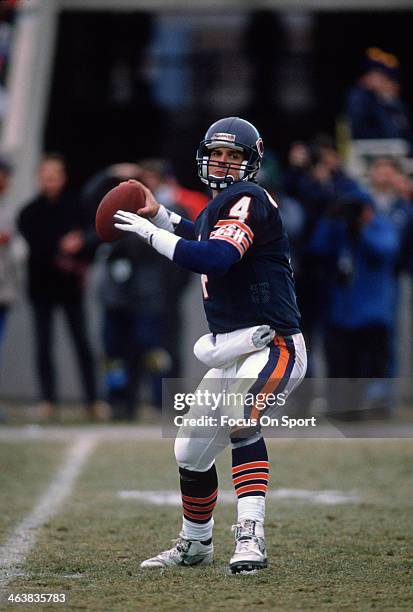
x: 352, y: 556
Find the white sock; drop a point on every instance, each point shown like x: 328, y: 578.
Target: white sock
x: 193, y: 531
x: 251, y: 507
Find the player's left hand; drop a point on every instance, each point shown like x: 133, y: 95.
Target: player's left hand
x: 151, y: 207
x: 263, y: 336
x: 130, y: 222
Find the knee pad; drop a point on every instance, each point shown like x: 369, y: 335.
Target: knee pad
x: 189, y: 454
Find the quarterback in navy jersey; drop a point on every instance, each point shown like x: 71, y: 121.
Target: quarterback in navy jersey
x: 255, y: 347
x: 259, y: 288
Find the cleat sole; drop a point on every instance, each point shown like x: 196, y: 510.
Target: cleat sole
x: 247, y: 567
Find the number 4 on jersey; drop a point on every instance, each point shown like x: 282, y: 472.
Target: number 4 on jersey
x: 240, y: 210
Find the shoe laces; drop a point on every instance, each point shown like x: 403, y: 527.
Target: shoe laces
x: 180, y: 547
x: 244, y: 535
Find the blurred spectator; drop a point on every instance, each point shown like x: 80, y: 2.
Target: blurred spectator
x: 391, y: 193
x: 360, y: 248
x: 53, y: 227
x: 188, y: 203
x: 390, y: 189
x: 315, y: 179
x: 134, y: 296
x: 8, y: 271
x: 385, y: 182
x: 374, y: 107
x: 140, y: 292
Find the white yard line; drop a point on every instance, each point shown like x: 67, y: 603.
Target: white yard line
x: 172, y: 498
x: 14, y: 552
x: 70, y: 432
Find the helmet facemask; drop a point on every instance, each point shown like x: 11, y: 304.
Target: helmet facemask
x: 248, y: 168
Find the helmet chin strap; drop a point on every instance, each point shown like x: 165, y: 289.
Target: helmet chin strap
x: 216, y: 182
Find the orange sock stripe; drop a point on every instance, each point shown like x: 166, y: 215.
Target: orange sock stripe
x: 201, y: 500
x: 254, y: 487
x: 276, y: 375
x: 253, y: 476
x: 197, y: 516
x: 193, y: 508
x: 250, y: 466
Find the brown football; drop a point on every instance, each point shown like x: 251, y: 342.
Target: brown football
x: 126, y: 196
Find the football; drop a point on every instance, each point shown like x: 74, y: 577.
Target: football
x: 128, y: 196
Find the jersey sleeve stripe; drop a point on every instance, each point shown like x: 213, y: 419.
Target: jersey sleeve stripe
x: 240, y: 224
x: 239, y: 237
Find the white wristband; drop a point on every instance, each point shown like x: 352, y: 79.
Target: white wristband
x: 165, y: 219
x: 164, y: 242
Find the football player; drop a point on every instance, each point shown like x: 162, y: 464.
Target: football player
x: 238, y: 245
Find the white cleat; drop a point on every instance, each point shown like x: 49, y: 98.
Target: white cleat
x: 185, y: 552
x: 250, y: 554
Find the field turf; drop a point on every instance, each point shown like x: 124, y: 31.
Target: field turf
x: 351, y: 556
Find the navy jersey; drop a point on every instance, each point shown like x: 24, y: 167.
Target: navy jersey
x: 259, y: 288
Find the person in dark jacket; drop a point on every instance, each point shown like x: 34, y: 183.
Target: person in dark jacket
x: 53, y: 227
x: 140, y: 293
x: 384, y: 174
x: 360, y: 248
x: 374, y: 107
x: 315, y: 178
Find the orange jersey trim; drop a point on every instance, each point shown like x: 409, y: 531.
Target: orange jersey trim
x: 245, y: 228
